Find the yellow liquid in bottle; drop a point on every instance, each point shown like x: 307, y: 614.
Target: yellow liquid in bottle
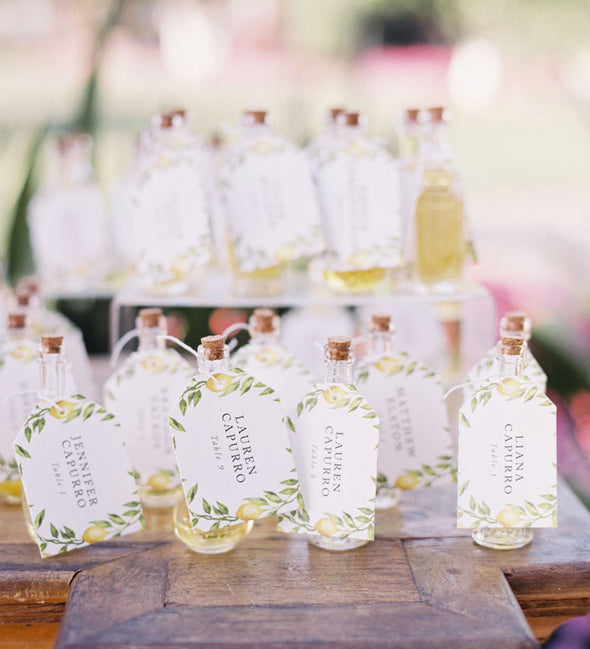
x: 213, y: 542
x: 260, y: 282
x: 11, y: 491
x: 355, y: 282
x: 440, y: 245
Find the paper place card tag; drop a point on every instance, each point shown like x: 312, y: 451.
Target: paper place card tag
x: 76, y: 475
x: 335, y: 447
x: 19, y: 383
x: 414, y: 440
x: 272, y: 210
x: 140, y: 394
x: 278, y: 368
x: 232, y: 450
x: 489, y: 366
x: 507, y: 457
x: 359, y: 189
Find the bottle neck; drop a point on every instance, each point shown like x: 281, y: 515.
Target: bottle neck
x: 14, y: 335
x: 52, y: 375
x: 210, y: 367
x: 339, y: 371
x: 148, y: 340
x: 266, y: 339
x: 510, y: 364
x: 507, y: 333
x: 381, y: 342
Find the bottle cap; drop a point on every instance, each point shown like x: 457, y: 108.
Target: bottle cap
x: 17, y: 320
x: 350, y: 119
x: 437, y: 114
x: 23, y: 299
x: 51, y: 344
x: 150, y: 317
x: 163, y: 121
x: 254, y: 116
x: 334, y: 113
x: 213, y: 347
x: 381, y: 322
x: 339, y: 348
x: 412, y: 114
x: 515, y: 321
x: 264, y: 320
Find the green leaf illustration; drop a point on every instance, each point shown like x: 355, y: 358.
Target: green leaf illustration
x: 175, y: 425
x: 88, y: 411
x: 463, y: 419
x: 290, y: 425
x: 39, y: 519
x: 206, y: 507
x: 21, y: 451
x: 192, y: 492
x: 183, y: 406
x: 246, y: 385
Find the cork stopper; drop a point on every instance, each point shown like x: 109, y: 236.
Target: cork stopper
x: 437, y: 114
x: 381, y: 322
x: 351, y: 119
x: 512, y: 346
x: 177, y: 112
x: 150, y: 317
x: 23, y: 299
x: 255, y: 116
x: 17, y: 320
x: 213, y: 347
x: 334, y: 113
x: 339, y: 348
x: 163, y: 121
x: 51, y: 344
x: 514, y: 321
x: 264, y: 321
x: 412, y: 114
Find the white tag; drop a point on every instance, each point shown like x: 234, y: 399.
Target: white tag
x: 489, y: 365
x: 232, y: 450
x: 76, y: 475
x: 414, y: 441
x: 359, y: 188
x: 140, y: 393
x: 272, y: 209
x: 278, y: 368
x: 335, y: 447
x: 19, y: 385
x: 507, y: 457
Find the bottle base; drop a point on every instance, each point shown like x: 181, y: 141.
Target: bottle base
x: 387, y: 497
x: 213, y: 542
x: 503, y: 538
x: 335, y: 544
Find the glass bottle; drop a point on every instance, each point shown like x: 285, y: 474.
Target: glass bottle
x: 52, y: 382
x: 439, y: 215
x: 267, y: 280
x: 213, y: 357
x: 341, y: 274
x: 381, y: 342
x: 18, y: 330
x: 510, y: 356
x: 151, y: 449
x: 339, y: 359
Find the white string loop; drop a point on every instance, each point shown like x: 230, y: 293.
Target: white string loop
x: 118, y: 348
x: 184, y: 346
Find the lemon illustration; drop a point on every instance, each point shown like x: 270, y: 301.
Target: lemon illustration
x: 334, y: 395
x: 180, y: 267
x: 267, y: 356
x: 406, y: 481
x: 285, y: 252
x: 159, y: 481
x: 326, y: 527
x: 11, y: 488
x: 387, y: 365
x: 508, y: 518
x: 153, y: 363
x: 508, y: 386
x: 62, y: 409
x: 249, y: 511
x: 22, y: 353
x: 218, y: 382
x: 94, y: 534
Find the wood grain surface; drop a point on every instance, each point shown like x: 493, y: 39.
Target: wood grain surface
x: 421, y: 584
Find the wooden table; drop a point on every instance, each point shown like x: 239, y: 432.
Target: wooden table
x: 421, y: 584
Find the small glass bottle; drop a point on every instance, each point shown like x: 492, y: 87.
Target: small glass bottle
x: 510, y: 356
x: 439, y: 215
x: 18, y: 330
x: 52, y: 381
x: 213, y: 358
x: 159, y: 487
x: 268, y: 280
x: 366, y: 278
x: 381, y: 341
x: 339, y: 359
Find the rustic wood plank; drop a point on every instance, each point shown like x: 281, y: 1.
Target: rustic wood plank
x: 28, y: 636
x: 108, y: 594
